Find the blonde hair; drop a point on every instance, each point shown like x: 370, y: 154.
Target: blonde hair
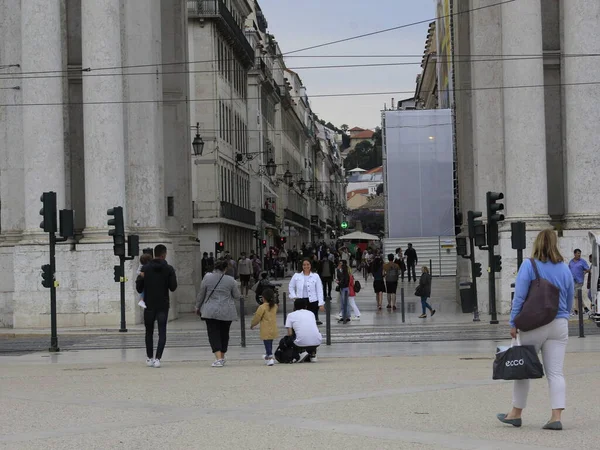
x: 425, y: 269
x: 545, y: 247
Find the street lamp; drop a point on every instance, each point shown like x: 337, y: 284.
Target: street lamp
x: 198, y: 144
x: 311, y: 191
x: 287, y: 177
x: 302, y: 185
x: 320, y: 196
x: 271, y: 167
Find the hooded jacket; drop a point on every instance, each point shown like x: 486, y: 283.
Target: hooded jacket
x: 159, y: 278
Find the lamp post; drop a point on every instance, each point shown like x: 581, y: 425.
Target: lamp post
x: 198, y: 144
x: 271, y: 167
x: 302, y: 185
x: 287, y: 177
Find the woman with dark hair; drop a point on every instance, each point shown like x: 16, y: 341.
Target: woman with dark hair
x: 307, y: 285
x: 215, y: 304
x: 378, y: 284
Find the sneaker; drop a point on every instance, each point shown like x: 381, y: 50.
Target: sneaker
x: 319, y: 322
x: 356, y: 318
x: 150, y: 362
x: 432, y: 313
x: 217, y: 363
x: 271, y: 362
x: 341, y: 321
x: 223, y: 361
x: 314, y: 358
x: 389, y: 306
x: 423, y: 316
x: 302, y: 357
x: 339, y: 316
x: 156, y: 363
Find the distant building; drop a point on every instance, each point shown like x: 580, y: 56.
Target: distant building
x: 366, y: 180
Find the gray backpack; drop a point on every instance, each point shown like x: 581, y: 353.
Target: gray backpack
x: 392, y: 274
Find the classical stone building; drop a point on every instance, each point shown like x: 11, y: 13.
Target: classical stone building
x: 93, y: 107
x: 526, y: 93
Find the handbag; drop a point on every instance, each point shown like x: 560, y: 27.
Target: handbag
x: 419, y: 291
x: 518, y: 362
x: 541, y: 305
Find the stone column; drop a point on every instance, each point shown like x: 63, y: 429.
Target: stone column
x: 43, y: 131
x: 144, y: 132
x: 526, y: 196
x: 102, y: 112
x: 581, y: 35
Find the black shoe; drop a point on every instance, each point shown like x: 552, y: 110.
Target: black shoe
x: 341, y: 321
x: 432, y: 313
x: 319, y: 323
x: 389, y: 306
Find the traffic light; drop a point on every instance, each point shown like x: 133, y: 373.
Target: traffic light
x: 491, y: 200
x: 133, y: 245
x: 264, y: 243
x: 118, y: 232
x: 219, y: 247
x: 518, y: 235
x: 472, y: 222
x: 344, y: 225
x: 478, y: 272
x: 256, y: 235
x: 461, y: 246
x: 48, y: 212
x: 480, y: 235
x: 117, y: 274
x: 67, y: 225
x: 47, y: 276
x: 497, y: 263
x: 283, y: 240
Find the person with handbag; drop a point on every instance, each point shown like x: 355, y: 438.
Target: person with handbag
x: 424, y: 291
x: 215, y: 304
x: 543, y: 300
x: 307, y: 286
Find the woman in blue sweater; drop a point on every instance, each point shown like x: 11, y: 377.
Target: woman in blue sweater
x: 552, y: 338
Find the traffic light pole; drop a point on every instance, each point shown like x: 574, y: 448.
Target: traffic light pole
x: 474, y: 280
x: 492, y: 287
x: 123, y: 328
x: 53, y: 331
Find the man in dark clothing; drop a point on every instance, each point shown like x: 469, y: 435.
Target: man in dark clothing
x: 204, y: 264
x: 326, y: 271
x: 156, y: 279
x: 411, y: 261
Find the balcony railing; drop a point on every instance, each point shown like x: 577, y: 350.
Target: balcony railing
x: 217, y: 9
x: 298, y: 218
x: 266, y: 70
x: 269, y: 216
x: 235, y: 212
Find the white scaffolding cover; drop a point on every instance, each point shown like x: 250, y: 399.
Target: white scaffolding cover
x: 419, y: 173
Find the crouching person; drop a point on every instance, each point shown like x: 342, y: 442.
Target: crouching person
x: 302, y: 328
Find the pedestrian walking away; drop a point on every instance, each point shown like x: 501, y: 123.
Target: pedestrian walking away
x: 215, y: 305
x: 552, y: 338
x: 155, y: 280
x: 245, y: 271
x: 266, y: 317
x: 411, y: 261
x: 399, y: 259
x: 326, y: 271
x: 391, y: 272
x: 307, y: 286
x: 343, y: 280
x: 424, y: 291
x: 378, y: 281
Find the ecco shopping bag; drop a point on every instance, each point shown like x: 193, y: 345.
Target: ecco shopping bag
x: 518, y: 362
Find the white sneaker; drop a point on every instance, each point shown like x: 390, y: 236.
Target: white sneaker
x: 339, y: 316
x: 142, y: 303
x: 271, y: 362
x: 314, y: 359
x: 356, y: 318
x: 150, y: 362
x: 303, y: 356
x: 156, y: 363
x: 217, y: 363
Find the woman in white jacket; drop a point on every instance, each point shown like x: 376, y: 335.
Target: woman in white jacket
x: 307, y: 286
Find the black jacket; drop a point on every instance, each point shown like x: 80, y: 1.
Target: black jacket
x: 159, y: 278
x: 343, y: 277
x: 411, y: 256
x: 425, y: 285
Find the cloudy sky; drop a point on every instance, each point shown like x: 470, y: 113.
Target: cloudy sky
x: 298, y: 25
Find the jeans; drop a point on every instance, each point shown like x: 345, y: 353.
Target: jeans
x: 552, y: 340
x: 411, y: 266
x: 313, y: 307
x: 218, y: 334
x: 268, y: 347
x: 344, y: 294
x: 326, y: 286
x: 426, y: 306
x: 151, y: 316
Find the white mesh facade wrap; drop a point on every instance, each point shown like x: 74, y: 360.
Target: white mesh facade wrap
x: 419, y: 173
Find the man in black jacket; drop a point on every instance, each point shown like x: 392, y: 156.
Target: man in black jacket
x: 156, y: 279
x: 411, y: 261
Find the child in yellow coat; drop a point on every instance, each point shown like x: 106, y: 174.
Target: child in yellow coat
x: 266, y: 316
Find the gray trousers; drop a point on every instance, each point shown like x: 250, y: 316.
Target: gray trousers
x: 552, y: 340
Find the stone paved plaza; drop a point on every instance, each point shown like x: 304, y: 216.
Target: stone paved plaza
x: 358, y: 396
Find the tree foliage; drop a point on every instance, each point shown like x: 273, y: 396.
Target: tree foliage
x: 365, y: 155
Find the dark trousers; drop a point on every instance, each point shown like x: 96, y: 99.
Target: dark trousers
x: 151, y: 316
x: 326, y: 286
x: 312, y: 351
x: 314, y: 308
x: 218, y: 334
x: 412, y: 266
x: 268, y: 347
